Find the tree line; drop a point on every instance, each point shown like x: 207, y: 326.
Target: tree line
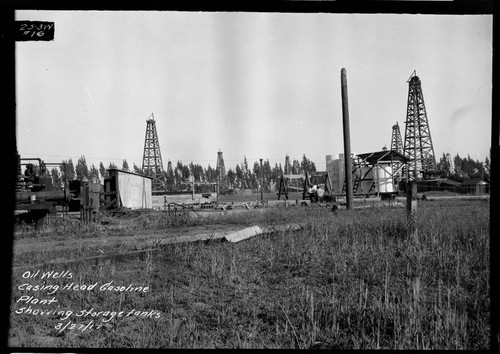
x: 180, y: 177
x: 244, y: 175
x: 463, y: 168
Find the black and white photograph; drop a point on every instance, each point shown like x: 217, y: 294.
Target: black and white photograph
x: 251, y: 180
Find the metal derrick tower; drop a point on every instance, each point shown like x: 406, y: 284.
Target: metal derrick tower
x: 418, y: 143
x: 152, y: 165
x: 221, y: 172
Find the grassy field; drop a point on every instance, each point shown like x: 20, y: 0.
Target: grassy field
x: 359, y: 279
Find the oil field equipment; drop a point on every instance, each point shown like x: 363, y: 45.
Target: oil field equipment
x: 291, y: 183
x: 418, y: 146
x: 396, y: 145
x: 35, y: 194
x: 221, y: 175
x: 316, y: 182
x: 372, y: 173
x: 152, y: 165
x: 396, y: 141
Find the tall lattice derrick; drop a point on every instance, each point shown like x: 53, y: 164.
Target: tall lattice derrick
x: 396, y: 141
x: 221, y: 172
x: 152, y: 165
x: 396, y: 145
x: 288, y: 166
x: 418, y: 146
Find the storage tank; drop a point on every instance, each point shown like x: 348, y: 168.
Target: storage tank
x: 384, y: 178
x: 335, y: 166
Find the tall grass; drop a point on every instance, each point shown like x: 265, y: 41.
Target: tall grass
x: 358, y: 279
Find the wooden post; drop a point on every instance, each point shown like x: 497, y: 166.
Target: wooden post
x: 261, y: 182
x: 411, y: 198
x: 347, y: 140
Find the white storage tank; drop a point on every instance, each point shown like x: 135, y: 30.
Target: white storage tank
x: 384, y: 178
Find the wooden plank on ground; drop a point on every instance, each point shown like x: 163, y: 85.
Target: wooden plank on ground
x: 244, y: 234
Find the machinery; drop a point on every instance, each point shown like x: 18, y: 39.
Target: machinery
x: 35, y: 194
x: 315, y: 187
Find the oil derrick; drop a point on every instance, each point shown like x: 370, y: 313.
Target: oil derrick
x: 221, y: 172
x: 418, y: 146
x: 152, y: 165
x: 288, y: 166
x: 396, y: 141
x: 396, y: 145
x: 169, y: 178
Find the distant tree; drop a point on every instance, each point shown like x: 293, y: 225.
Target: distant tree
x: 296, y: 167
x: 246, y: 173
x: 67, y: 170
x: 137, y: 169
x: 231, y: 177
x: 112, y: 166
x: 443, y: 166
x: 255, y: 176
x: 56, y: 177
x: 486, y: 168
x: 82, y: 170
x: 125, y: 165
x: 102, y: 171
x: 276, y: 172
x: 177, y: 176
x: 170, y: 180
x: 185, y: 173
x: 94, y: 174
x: 210, y: 174
x: 307, y: 165
x: 196, y: 171
x: 457, y: 161
x: 239, y: 172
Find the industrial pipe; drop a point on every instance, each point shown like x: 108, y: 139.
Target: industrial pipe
x: 347, y: 140
x: 27, y: 196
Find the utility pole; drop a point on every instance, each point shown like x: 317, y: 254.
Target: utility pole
x: 347, y: 140
x: 261, y: 181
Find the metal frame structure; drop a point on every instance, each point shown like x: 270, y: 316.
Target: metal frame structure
x: 396, y: 141
x: 363, y: 171
x: 284, y: 185
x: 396, y: 145
x: 152, y: 165
x: 418, y: 146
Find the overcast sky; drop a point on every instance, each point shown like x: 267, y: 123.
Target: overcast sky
x: 261, y: 85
